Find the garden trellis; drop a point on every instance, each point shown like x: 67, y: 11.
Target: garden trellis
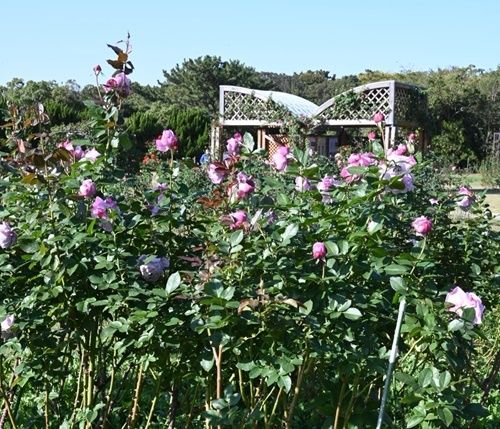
x: 403, y: 106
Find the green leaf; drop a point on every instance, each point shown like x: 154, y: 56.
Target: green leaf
x: 248, y: 142
x: 173, y: 283
x: 332, y: 248
x: 455, y: 325
x: 285, y: 382
x: 425, y: 377
x: 352, y: 313
x: 306, y: 307
x: 236, y: 238
x: 445, y: 415
x: 414, y: 420
x: 398, y: 284
x: 395, y: 269
x: 290, y: 232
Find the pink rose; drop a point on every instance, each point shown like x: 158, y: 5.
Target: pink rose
x: 400, y: 150
x: 238, y: 218
x: 238, y: 137
x: 167, y: 141
x: 97, y: 69
x: 465, y: 203
x: 461, y: 300
x: 7, y: 323
x: 216, y: 173
x: 233, y: 146
x: 87, y: 188
x: 100, y: 208
x: 422, y: 225
x: 411, y: 137
x: 67, y: 145
x: 372, y: 135
x: 378, y: 117
x: 364, y: 159
x: 120, y: 84
x: 319, y: 250
x: 463, y: 190
x: 8, y: 237
x: 348, y: 177
x: 279, y: 161
x: 302, y: 184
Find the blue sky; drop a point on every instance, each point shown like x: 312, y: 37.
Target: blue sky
x: 61, y: 40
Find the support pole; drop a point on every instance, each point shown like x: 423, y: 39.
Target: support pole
x: 392, y: 361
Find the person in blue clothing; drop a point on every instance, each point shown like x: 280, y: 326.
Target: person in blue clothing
x: 205, y: 158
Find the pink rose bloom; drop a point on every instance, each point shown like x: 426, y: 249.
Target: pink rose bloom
x: 348, y: 177
x: 100, y: 208
x: 67, y: 145
x: 91, y: 155
x: 216, y: 173
x: 326, y: 183
x: 160, y: 187
x: 238, y: 137
x: 238, y: 218
x: 233, y: 146
x: 154, y: 269
x: 319, y: 250
x: 8, y: 237
x: 372, y: 135
x: 167, y: 141
x: 378, y: 117
x: 302, y: 184
x: 279, y: 161
x: 78, y: 153
x: 7, y: 323
x: 461, y: 300
x: 400, y: 150
x: 411, y: 137
x: 465, y: 203
x: 283, y: 150
x: 245, y: 185
x: 463, y: 190
x: 422, y: 225
x: 120, y: 83
x: 364, y: 159
x: 87, y: 188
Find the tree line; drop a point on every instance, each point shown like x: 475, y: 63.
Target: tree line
x: 464, y: 102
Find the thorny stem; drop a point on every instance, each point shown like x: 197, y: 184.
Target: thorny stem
x: 135, y: 406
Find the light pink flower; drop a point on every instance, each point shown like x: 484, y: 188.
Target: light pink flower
x: 326, y: 183
x: 372, y: 135
x: 422, y: 225
x: 400, y: 150
x: 463, y: 190
x: 302, y: 184
x: 347, y: 176
x: 8, y: 237
x: 167, y: 141
x: 461, y: 300
x: 100, y: 208
x: 411, y: 137
x: 239, y: 219
x: 7, y: 323
x: 319, y: 250
x: 87, y: 188
x: 91, y: 155
x: 364, y: 159
x: 67, y: 145
x: 242, y: 188
x: 216, y: 173
x: 233, y: 146
x: 378, y: 117
x: 238, y: 137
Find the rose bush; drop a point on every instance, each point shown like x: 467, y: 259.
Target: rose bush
x: 265, y: 301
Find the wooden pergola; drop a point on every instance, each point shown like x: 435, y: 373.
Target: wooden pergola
x: 403, y: 105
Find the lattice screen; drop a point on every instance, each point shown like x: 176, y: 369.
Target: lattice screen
x: 409, y: 105
x: 245, y: 107
x: 371, y: 101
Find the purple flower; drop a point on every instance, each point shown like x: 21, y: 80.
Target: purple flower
x: 233, y: 146
x: 78, y: 153
x: 7, y: 323
x: 87, y: 188
x: 167, y: 141
x: 468, y: 198
x: 422, y: 225
x: 302, y: 184
x: 7, y: 236
x: 364, y: 159
x: 319, y: 250
x: 154, y: 269
x: 461, y: 300
x: 280, y: 158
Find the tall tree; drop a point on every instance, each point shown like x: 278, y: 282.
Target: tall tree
x: 195, y: 83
